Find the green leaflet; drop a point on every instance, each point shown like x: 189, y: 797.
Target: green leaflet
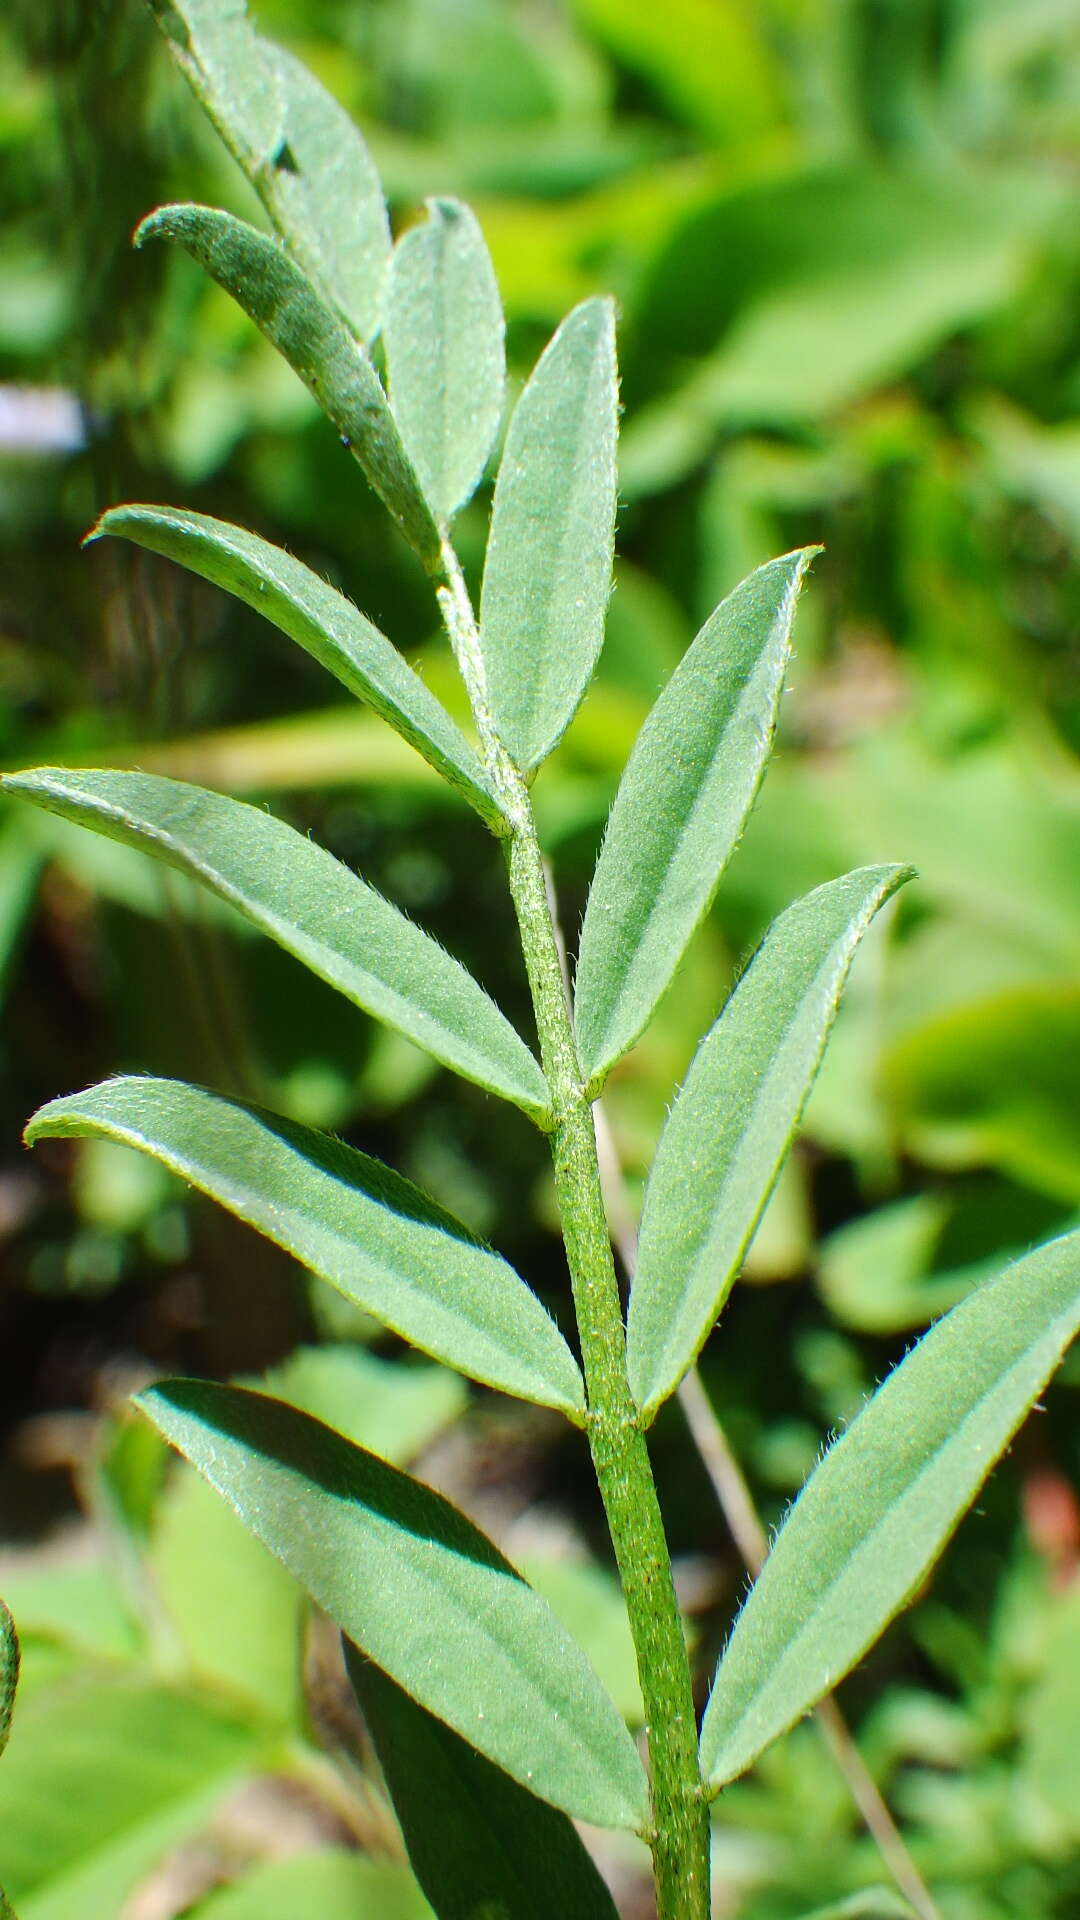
x: 373, y: 1235
x: 681, y: 805
x: 313, y: 906
x: 443, y: 332
x: 319, y: 619
x: 317, y: 344
x: 731, y: 1125
x: 216, y: 47
x: 324, y: 197
x: 478, y: 1843
x: 302, y: 153
x: 875, y: 1514
x: 419, y: 1590
x: 548, y: 572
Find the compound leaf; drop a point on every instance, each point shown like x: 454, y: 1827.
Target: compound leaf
x: 876, y: 1513
x: 276, y: 293
x: 420, y: 1590
x: 319, y: 619
x: 684, y: 796
x: 548, y: 572
x: 477, y: 1841
x: 373, y: 1235
x: 443, y: 332
x: 731, y: 1125
x: 313, y: 906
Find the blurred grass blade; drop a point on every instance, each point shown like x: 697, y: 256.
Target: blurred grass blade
x: 681, y: 805
x: 876, y: 1513
x: 324, y: 197
x: 313, y: 906
x: 443, y: 332
x: 478, y: 1843
x: 420, y: 1590
x: 317, y: 344
x: 216, y: 47
x: 9, y: 1672
x: 319, y: 619
x: 732, y: 1123
x: 374, y: 1236
x: 548, y: 572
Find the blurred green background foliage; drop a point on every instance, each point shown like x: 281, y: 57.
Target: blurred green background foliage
x: 843, y: 238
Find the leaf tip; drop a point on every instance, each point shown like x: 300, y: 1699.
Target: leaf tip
x: 443, y: 206
x: 101, y: 527
x: 20, y: 779
x: 149, y: 227
x: 161, y: 1403
x: 893, y: 876
x: 167, y: 222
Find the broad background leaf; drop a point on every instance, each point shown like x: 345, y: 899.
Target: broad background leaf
x: 275, y: 293
x: 732, y: 1123
x: 103, y: 1776
x: 373, y: 1235
x: 322, y: 621
x: 392, y: 1409
x: 234, y: 1609
x: 478, y: 1842
x: 875, y: 1514
x: 312, y: 905
x: 443, y: 332
x: 414, y: 1584
x: 547, y: 577
x: 332, y: 1883
x: 687, y: 789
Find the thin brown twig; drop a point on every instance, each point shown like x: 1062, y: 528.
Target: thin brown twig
x: 746, y: 1529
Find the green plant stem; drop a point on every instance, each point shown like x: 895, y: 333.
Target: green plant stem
x: 679, y: 1838
x: 745, y: 1526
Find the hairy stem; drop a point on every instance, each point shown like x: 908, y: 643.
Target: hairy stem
x: 679, y: 1837
x: 746, y: 1529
